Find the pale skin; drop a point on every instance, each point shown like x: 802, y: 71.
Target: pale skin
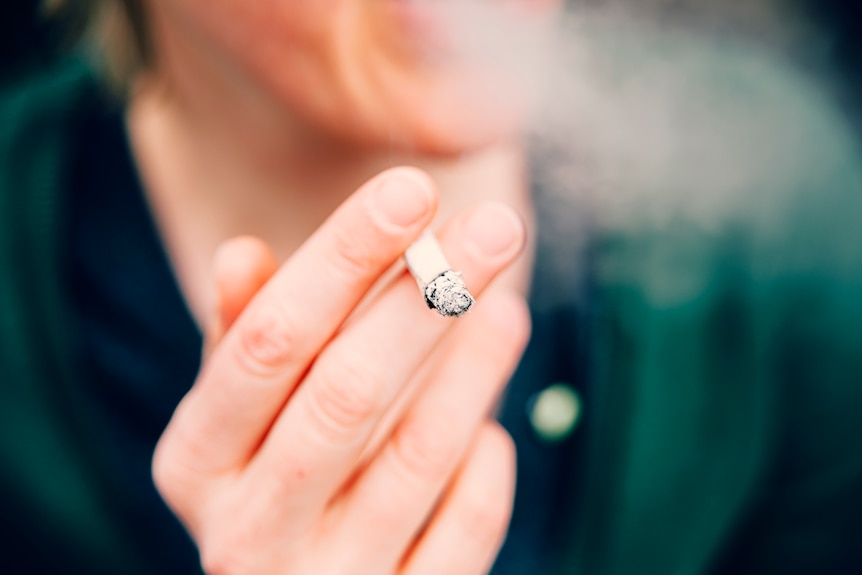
x: 337, y: 425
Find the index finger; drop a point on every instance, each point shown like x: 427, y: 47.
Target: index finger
x: 250, y: 375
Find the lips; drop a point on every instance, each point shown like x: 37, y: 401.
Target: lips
x: 422, y: 21
x: 422, y: 13
x: 441, y: 28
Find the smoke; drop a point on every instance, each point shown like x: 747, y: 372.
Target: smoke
x: 649, y: 113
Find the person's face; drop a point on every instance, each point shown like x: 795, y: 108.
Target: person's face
x: 373, y: 72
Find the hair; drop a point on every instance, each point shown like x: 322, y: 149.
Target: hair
x: 114, y: 31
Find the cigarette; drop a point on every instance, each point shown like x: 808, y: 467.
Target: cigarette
x: 443, y: 289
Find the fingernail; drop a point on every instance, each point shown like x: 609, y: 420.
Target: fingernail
x: 402, y: 198
x: 493, y: 229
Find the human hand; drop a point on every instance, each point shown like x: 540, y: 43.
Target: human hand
x: 284, y: 458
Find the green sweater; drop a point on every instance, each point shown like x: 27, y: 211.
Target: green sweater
x: 726, y: 364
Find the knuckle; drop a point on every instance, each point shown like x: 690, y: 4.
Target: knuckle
x: 354, y: 256
x: 344, y: 396
x: 485, y: 517
x: 178, y: 484
x: 267, y: 341
x: 169, y: 477
x: 165, y: 474
x: 234, y: 546
x: 502, y: 443
x: 425, y: 451
x: 485, y: 508
x: 220, y: 559
x: 213, y: 561
x: 504, y: 338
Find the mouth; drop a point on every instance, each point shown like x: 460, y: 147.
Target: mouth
x: 423, y: 23
x: 447, y: 28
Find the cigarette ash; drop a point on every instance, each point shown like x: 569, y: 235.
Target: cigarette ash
x: 448, y: 295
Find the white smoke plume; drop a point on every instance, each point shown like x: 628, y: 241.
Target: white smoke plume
x: 647, y: 112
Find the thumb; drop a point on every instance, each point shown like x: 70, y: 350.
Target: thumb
x: 241, y: 266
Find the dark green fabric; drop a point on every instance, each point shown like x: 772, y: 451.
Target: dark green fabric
x: 27, y: 38
x: 726, y: 369
x: 738, y: 410
x: 728, y: 351
x: 50, y: 456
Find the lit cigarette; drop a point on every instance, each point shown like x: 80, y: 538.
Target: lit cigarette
x: 444, y: 290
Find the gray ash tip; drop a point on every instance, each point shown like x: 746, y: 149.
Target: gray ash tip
x: 448, y: 295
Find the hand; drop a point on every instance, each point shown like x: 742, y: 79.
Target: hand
x: 313, y: 446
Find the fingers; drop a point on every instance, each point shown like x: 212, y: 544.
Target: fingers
x: 241, y: 266
x: 315, y: 444
x: 247, y: 380
x: 402, y: 484
x: 470, y: 525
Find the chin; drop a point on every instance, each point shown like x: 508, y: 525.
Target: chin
x: 445, y: 120
x: 424, y: 127
x: 457, y: 135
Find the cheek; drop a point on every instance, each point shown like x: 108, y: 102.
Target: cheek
x: 261, y: 34
x: 264, y: 20
x: 288, y: 47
